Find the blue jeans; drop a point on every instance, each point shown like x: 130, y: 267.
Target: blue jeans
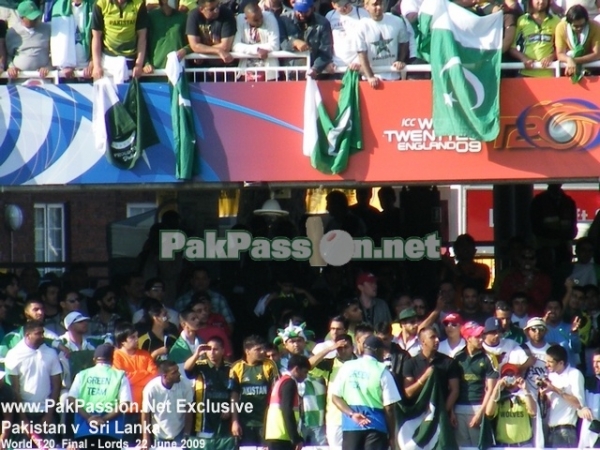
x: 562, y: 436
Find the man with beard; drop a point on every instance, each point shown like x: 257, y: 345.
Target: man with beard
x: 394, y: 357
x: 535, y: 348
x: 477, y: 381
x: 408, y: 339
x: 417, y: 370
x: 105, y: 321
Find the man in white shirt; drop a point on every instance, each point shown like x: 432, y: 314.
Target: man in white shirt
x: 338, y: 326
x: 343, y: 19
x: 455, y: 342
x: 34, y: 372
x: 171, y: 423
x: 257, y: 35
x: 382, y: 44
x: 564, y: 390
x: 535, y: 347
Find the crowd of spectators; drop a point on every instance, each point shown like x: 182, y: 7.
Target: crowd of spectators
x: 519, y: 353
x: 377, y: 37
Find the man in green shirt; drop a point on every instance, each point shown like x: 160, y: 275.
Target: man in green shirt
x: 166, y: 34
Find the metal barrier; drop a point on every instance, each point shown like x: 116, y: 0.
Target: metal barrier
x: 283, y: 72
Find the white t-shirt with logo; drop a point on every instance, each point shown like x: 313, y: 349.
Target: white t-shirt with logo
x: 538, y: 370
x: 343, y: 29
x: 380, y: 39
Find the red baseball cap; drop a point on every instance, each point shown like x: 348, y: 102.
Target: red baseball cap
x: 365, y: 277
x: 471, y: 329
x: 453, y: 318
x: 509, y: 368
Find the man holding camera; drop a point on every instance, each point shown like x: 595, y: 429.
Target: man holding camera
x: 565, y: 396
x: 512, y: 407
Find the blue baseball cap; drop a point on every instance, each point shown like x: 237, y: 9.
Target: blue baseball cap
x: 303, y: 6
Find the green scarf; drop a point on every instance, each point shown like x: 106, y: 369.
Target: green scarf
x: 577, y: 46
x: 64, y: 8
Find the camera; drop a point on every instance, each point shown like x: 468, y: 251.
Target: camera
x: 510, y: 381
x: 540, y: 382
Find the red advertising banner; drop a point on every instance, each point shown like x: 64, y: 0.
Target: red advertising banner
x: 480, y: 210
x: 550, y: 128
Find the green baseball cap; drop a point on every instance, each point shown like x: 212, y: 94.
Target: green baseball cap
x: 29, y: 10
x: 408, y: 313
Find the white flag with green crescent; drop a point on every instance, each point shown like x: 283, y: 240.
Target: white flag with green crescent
x: 465, y: 68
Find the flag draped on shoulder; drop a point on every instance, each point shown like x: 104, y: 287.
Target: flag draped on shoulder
x: 182, y: 116
x: 330, y: 143
x: 424, y: 423
x: 122, y: 130
x: 465, y: 68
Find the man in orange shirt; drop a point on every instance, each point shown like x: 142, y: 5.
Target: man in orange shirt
x: 139, y: 367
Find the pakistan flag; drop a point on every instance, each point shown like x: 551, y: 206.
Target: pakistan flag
x: 464, y: 51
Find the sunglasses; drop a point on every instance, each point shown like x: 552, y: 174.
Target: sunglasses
x: 452, y: 324
x: 538, y: 329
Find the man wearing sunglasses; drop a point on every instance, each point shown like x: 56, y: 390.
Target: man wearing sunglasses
x: 535, y: 347
x: 455, y: 342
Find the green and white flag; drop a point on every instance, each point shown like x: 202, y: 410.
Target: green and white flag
x: 424, y: 423
x: 465, y: 68
x: 182, y: 117
x: 330, y: 143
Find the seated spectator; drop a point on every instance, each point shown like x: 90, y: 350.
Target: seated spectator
x: 563, y: 333
x: 166, y: 34
x: 28, y: 42
x: 409, y: 9
x: 343, y: 20
x: 520, y: 304
x: 277, y: 7
x: 383, y: 41
x: 71, y: 36
x: 257, y: 35
x: 106, y: 319
x: 307, y: 31
x: 154, y: 288
x: 211, y: 29
x: 591, y: 6
x: 188, y: 342
x: 577, y: 40
x: 509, y: 330
x: 205, y: 331
x: 512, y: 410
x: 119, y: 38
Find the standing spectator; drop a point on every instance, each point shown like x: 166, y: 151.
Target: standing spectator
x: 98, y: 395
x: 34, y: 371
x: 382, y: 43
x: 409, y: 327
x: 257, y: 35
x: 553, y: 213
x: 565, y: 394
x: 171, y: 425
x: 132, y: 295
x: 535, y: 30
x: 577, y: 42
x: 477, y: 381
x: 159, y: 339
x: 252, y: 378
x: 508, y: 329
x: 513, y: 409
x: 463, y: 269
x: 119, y: 30
x: 105, y: 321
x: 454, y: 342
x: 502, y: 351
x: 365, y: 392
x: 211, y: 384
x: 188, y: 341
x: 520, y: 305
x: 535, y: 368
x: 563, y: 333
x: 374, y: 309
x: 471, y: 310
x: 283, y: 415
x: 394, y: 357
x: 338, y: 326
x: 340, y: 216
x: 308, y: 31
x: 69, y: 301
x: 210, y: 30
x: 417, y: 370
x: 589, y: 437
x: 49, y: 292
x: 205, y: 331
x: 166, y: 34
x: 391, y: 217
x: 139, y: 367
x: 28, y: 42
x: 343, y: 20
x: 529, y: 280
x: 200, y: 280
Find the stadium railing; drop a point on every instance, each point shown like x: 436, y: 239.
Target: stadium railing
x: 285, y: 73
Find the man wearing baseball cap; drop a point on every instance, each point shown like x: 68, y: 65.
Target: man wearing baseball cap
x: 478, y: 378
x: 28, y: 42
x: 409, y: 327
x: 455, y: 342
x: 308, y: 31
x: 502, y: 351
x: 365, y: 392
x: 512, y: 407
x: 374, y: 309
x: 535, y: 348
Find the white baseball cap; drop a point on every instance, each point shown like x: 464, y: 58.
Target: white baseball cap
x: 74, y: 317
